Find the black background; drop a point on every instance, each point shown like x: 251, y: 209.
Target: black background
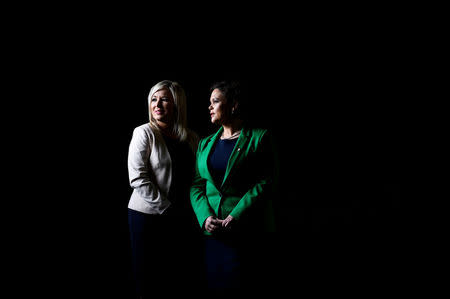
x: 339, y: 139
x: 333, y: 96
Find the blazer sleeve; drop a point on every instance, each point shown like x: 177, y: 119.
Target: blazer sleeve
x: 139, y: 170
x: 259, y: 191
x: 199, y: 201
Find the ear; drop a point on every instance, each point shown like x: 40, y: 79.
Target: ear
x: 235, y: 107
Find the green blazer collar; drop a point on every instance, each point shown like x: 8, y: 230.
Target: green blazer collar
x: 236, y: 155
x: 207, y: 150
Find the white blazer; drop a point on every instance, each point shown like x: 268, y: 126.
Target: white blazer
x: 149, y: 171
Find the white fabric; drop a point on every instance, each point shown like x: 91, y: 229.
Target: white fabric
x: 149, y: 171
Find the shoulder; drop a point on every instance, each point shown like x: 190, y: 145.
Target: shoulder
x: 205, y: 140
x: 256, y: 133
x: 142, y: 128
x: 260, y: 137
x: 143, y: 132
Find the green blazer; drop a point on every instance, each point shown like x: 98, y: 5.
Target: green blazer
x: 246, y: 190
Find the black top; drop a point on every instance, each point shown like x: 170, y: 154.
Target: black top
x: 183, y: 162
x: 218, y: 159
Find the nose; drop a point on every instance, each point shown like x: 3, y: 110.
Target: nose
x: 210, y: 107
x: 158, y: 103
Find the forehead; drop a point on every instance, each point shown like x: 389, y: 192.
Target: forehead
x: 162, y: 92
x: 216, y: 93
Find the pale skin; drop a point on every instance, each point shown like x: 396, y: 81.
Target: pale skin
x: 162, y: 107
x: 221, y: 113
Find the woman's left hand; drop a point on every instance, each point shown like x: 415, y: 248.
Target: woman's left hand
x: 227, y: 222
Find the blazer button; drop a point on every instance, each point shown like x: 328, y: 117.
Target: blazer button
x: 239, y: 149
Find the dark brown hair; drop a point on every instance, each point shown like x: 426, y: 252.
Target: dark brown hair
x: 233, y: 92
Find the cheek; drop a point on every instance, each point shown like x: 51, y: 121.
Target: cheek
x: 169, y: 107
x: 223, y: 112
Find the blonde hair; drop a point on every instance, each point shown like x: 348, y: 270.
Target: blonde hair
x: 179, y: 98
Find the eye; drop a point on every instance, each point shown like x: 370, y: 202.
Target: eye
x: 153, y: 99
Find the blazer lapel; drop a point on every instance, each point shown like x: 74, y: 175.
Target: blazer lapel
x: 207, y: 151
x: 237, y: 154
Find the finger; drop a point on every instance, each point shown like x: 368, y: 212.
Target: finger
x: 212, y: 226
x: 216, y: 221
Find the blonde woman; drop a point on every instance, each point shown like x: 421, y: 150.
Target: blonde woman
x: 161, y: 167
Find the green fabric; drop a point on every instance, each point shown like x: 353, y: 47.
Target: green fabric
x: 246, y: 187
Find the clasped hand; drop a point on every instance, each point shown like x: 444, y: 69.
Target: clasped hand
x: 213, y: 223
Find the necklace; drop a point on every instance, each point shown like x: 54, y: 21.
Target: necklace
x: 234, y: 135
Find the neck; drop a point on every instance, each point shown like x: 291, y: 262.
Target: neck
x: 232, y: 128
x: 166, y: 129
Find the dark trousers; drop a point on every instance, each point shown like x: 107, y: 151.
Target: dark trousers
x: 148, y: 251
x: 165, y: 253
x: 244, y: 263
x: 223, y: 259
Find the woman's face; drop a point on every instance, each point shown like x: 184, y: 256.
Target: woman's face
x: 219, y: 109
x: 162, y: 106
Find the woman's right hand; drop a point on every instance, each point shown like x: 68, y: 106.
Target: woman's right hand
x: 212, y: 223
